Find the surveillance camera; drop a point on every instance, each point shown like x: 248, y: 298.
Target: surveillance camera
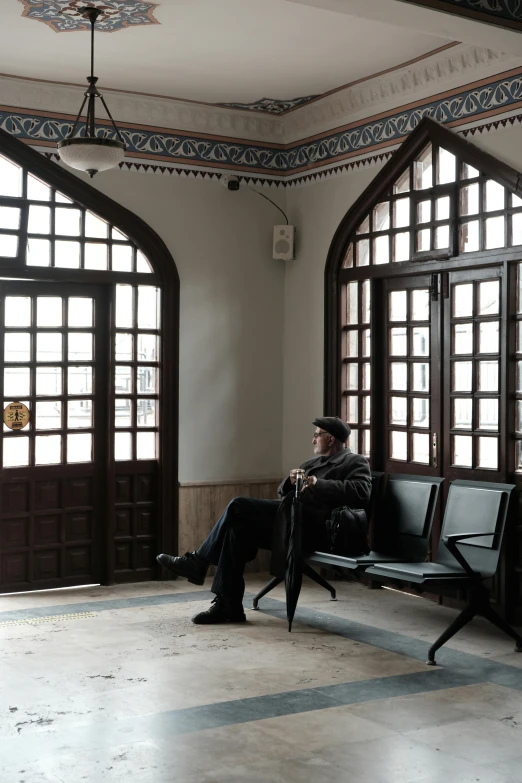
x: 230, y: 181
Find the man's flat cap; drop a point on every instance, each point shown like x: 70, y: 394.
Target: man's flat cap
x: 335, y: 426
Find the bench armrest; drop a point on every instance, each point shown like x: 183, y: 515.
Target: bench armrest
x: 451, y: 542
x: 456, y: 537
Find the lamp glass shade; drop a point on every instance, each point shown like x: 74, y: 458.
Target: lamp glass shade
x: 91, y: 154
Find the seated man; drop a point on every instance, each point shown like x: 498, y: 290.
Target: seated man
x: 334, y: 477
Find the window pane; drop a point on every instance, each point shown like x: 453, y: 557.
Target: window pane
x: 364, y: 227
x: 49, y: 381
x: 420, y: 341
x: 17, y: 347
x: 352, y: 376
x: 463, y: 338
x: 125, y: 306
x: 122, y: 258
x: 67, y: 254
x: 366, y: 409
x: 495, y: 232
x: 494, y: 196
x: 123, y: 345
x: 38, y: 252
x: 366, y: 376
x: 488, y: 414
x: 80, y: 346
x: 10, y: 217
x: 401, y: 212
x: 16, y: 448
x: 49, y: 311
x: 403, y: 183
x: 347, y: 261
x: 399, y: 411
x: 352, y: 409
x: 147, y: 307
x: 95, y: 227
x: 442, y: 208
x: 10, y: 179
x: 399, y: 445
x: 16, y: 382
x: 80, y: 380
x: 462, y: 376
x: 17, y: 311
x: 39, y: 220
x: 365, y: 448
x: 488, y: 376
x: 80, y: 311
x: 447, y: 169
x: 146, y: 445
x: 381, y: 250
x: 366, y: 301
x: 462, y: 450
x: 49, y: 415
x: 365, y: 342
x: 463, y: 300
x: 48, y: 347
x: 48, y: 449
x: 462, y: 412
x: 123, y: 380
x: 424, y: 212
x: 424, y: 240
x: 36, y: 190
x: 488, y: 453
x: 61, y: 199
x: 516, y: 201
x: 399, y: 376
x: 362, y: 249
x: 142, y: 264
x: 421, y: 377
x: 79, y: 447
x: 421, y: 412
x: 398, y: 341
x: 381, y: 217
x: 489, y: 297
x: 421, y: 448
x: 398, y: 305
x: 488, y: 337
x: 122, y: 446
x: 469, y: 237
x: 468, y: 172
x: 123, y: 412
x: 96, y: 255
x: 401, y: 246
x: 67, y: 221
x: 8, y: 245
x: 516, y: 229
x: 423, y: 170
x: 469, y: 200
x: 420, y: 305
x: 352, y: 343
x: 442, y: 237
x: 352, y: 315
x: 79, y: 414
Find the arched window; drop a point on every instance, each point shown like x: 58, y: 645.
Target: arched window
x: 424, y: 313
x: 88, y: 319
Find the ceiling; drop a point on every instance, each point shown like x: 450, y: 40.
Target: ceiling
x: 213, y: 50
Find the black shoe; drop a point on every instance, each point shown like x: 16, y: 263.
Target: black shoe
x: 220, y: 612
x: 190, y: 565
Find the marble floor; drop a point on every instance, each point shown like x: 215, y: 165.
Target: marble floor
x: 113, y: 684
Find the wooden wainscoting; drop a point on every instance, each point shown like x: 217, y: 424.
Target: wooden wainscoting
x: 201, y: 505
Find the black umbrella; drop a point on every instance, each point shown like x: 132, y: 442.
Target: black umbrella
x: 294, y: 557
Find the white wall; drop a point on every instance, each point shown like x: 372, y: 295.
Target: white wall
x: 232, y: 296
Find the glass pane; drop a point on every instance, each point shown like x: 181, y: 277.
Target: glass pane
x: 364, y: 228
x: 80, y: 380
x: 123, y: 412
x: 79, y: 447
x: 365, y: 304
x: 488, y: 376
x: 38, y: 252
x: 421, y: 377
x: 10, y: 179
x: 519, y: 337
x: 365, y: 342
x: 352, y: 409
x: 366, y: 409
x: 399, y: 445
x: 488, y: 414
x: 95, y: 227
x: 489, y: 297
x: 36, y: 190
x: 146, y: 380
x: 398, y: 341
x: 447, y: 168
x: 96, y: 255
x: 67, y: 221
x: 424, y: 212
x: 423, y: 239
x: 399, y: 411
x: 462, y: 450
x: 146, y: 445
x: 365, y: 448
x: 421, y: 412
x: 16, y: 448
x: 49, y: 415
x: 420, y: 304
x: 80, y: 311
x: 469, y: 200
x: 352, y: 343
x: 463, y: 338
x: 463, y: 300
x: 468, y: 172
x: 362, y: 251
x: 516, y: 201
x: 423, y: 170
x: 67, y: 254
x: 421, y: 448
x: 48, y: 449
x: 401, y: 213
x: 8, y: 245
x: 115, y: 234
x: 125, y: 306
x: 398, y: 306
x: 17, y: 311
x: 17, y: 347
x: 9, y: 217
x: 142, y: 264
x: 462, y: 413
x: 518, y: 425
x: 494, y: 196
x: 420, y: 341
x: 123, y: 380
x: 469, y: 237
x: 39, y: 220
x: 399, y: 376
x: 147, y: 307
x: 122, y: 258
x: 495, y: 235
x: 516, y: 229
x: 381, y: 250
x: 80, y: 346
x: 381, y: 217
x: 347, y: 261
x: 488, y: 337
x: 518, y: 455
x: 462, y: 376
x: 403, y: 183
x: 49, y: 347
x: 16, y: 382
x: 122, y: 446
x: 401, y: 246
x: 61, y: 199
x: 352, y: 376
x: 352, y: 292
x: 49, y: 381
x: 488, y: 453
x: 49, y: 311
x: 123, y: 345
x: 366, y: 376
x: 442, y: 237
x: 442, y: 208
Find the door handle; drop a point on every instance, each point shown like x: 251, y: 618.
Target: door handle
x: 434, y: 449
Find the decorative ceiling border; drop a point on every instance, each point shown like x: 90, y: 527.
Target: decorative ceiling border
x: 478, y: 102
x: 504, y: 13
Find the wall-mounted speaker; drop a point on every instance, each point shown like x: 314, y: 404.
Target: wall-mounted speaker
x: 284, y: 240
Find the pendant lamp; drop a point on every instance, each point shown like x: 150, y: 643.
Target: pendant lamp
x: 92, y: 153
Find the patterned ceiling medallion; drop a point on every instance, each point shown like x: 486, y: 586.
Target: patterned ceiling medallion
x: 64, y: 15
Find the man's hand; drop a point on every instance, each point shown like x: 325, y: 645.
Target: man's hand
x: 310, y: 481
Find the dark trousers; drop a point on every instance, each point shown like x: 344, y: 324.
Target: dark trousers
x: 245, y: 526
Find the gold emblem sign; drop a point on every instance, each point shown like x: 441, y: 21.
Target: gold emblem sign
x: 16, y: 416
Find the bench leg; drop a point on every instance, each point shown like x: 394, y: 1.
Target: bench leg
x: 309, y: 572
x: 266, y: 589
x: 467, y: 614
